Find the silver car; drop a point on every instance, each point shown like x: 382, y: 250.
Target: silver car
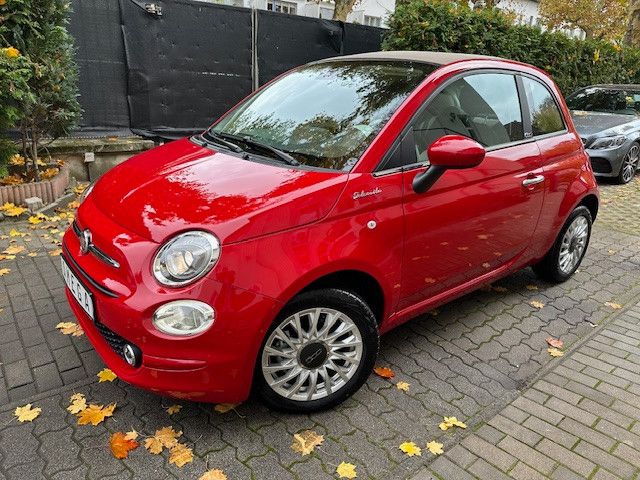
x: 607, y: 118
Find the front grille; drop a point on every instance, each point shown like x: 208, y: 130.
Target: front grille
x: 93, y: 249
x: 115, y: 341
x: 600, y: 165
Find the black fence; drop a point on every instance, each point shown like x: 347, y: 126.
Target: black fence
x: 170, y: 74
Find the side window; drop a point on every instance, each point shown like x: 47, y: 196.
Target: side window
x: 545, y: 115
x: 482, y: 106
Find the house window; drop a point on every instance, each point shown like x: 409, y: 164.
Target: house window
x: 372, y: 21
x: 326, y: 13
x: 282, y: 7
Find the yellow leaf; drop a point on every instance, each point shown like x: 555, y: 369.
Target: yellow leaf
x: 77, y: 403
x: 452, y: 422
x: 121, y: 445
x: 165, y: 437
x: 435, y: 447
x: 615, y: 306
x: 213, y: 475
x: 404, y: 386
x: 346, y: 470
x: 14, y: 250
x: 411, y: 449
x: 55, y: 253
x: 4, y: 271
x: 16, y: 233
x: 70, y: 328
x: 131, y: 435
x: 26, y: 413
x: 106, y: 375
x: 554, y: 352
x: 304, y: 442
x: 536, y: 304
x: 180, y: 455
x: 32, y: 254
x: 14, y: 211
x: 532, y: 287
x: 225, y: 407
x: 95, y: 414
x: 34, y: 220
x: 384, y: 372
x: 174, y: 409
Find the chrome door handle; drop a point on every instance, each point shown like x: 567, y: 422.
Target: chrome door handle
x: 527, y: 182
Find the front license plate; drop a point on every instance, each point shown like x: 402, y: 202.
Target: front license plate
x: 79, y: 292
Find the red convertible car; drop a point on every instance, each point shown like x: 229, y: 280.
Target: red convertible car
x: 338, y: 201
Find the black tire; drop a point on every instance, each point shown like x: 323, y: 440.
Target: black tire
x: 549, y: 267
x: 361, y: 315
x: 624, y: 176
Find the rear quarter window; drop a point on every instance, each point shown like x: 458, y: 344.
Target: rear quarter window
x: 545, y: 114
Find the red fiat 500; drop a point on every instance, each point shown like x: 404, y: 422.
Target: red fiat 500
x: 340, y: 200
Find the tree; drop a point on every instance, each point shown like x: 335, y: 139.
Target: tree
x: 343, y: 8
x: 599, y: 19
x: 632, y: 34
x: 37, y: 31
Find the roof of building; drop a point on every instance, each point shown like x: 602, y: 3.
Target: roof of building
x: 436, y: 58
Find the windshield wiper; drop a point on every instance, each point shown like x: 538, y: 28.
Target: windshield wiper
x: 218, y: 139
x: 281, y: 154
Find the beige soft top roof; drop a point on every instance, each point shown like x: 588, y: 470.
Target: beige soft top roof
x: 437, y: 58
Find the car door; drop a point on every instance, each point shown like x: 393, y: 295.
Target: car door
x: 477, y: 220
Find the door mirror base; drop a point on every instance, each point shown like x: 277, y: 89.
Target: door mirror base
x: 425, y: 180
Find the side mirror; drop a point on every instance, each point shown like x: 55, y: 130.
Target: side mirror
x: 448, y: 152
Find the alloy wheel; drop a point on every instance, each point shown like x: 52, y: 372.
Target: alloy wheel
x: 630, y: 163
x: 312, y: 354
x: 573, y: 245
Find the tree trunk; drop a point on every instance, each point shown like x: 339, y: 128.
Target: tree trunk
x: 23, y: 135
x: 632, y: 34
x: 34, y: 153
x: 342, y: 9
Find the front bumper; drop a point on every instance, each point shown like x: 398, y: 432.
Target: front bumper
x: 607, y: 163
x: 215, y: 365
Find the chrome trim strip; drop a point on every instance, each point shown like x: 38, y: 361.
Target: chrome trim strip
x: 95, y: 250
x: 96, y: 285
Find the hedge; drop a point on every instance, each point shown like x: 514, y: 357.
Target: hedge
x: 448, y: 27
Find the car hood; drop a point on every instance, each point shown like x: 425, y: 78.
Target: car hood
x: 592, y: 123
x: 182, y: 186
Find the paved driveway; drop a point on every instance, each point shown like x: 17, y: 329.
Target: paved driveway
x: 468, y: 359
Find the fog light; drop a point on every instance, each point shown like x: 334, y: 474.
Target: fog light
x: 183, y: 317
x: 132, y: 355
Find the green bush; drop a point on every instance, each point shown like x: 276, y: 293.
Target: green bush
x: 450, y: 27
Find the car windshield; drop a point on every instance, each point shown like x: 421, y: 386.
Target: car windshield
x: 325, y: 114
x: 609, y: 100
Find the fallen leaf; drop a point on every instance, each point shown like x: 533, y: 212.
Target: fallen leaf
x: 435, y: 447
x: 77, y: 403
x: 532, y: 287
x: 304, y: 442
x: 35, y: 220
x: 410, y: 449
x: 131, y: 435
x: 55, y: 253
x: 225, y: 407
x: 14, y: 250
x: 615, y: 306
x: 450, y: 422
x: 346, y: 470
x: 70, y: 328
x: 174, y: 409
x: 384, y: 372
x: 165, y: 437
x: 536, y: 304
x: 26, y: 413
x: 611, y: 252
x: 180, y: 455
x: 106, y: 375
x: 16, y: 233
x: 14, y: 211
x: 213, y: 475
x: 555, y: 342
x: 554, y: 352
x: 32, y: 254
x: 486, y: 265
x: 404, y: 386
x: 500, y: 289
x: 95, y: 414
x: 4, y: 271
x: 121, y: 445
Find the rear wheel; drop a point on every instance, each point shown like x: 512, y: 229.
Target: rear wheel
x: 629, y: 164
x: 319, y: 351
x: 567, y: 252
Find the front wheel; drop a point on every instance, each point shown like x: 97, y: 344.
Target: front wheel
x: 319, y: 351
x: 629, y: 164
x: 564, y: 258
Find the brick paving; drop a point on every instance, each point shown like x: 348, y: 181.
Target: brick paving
x: 473, y: 358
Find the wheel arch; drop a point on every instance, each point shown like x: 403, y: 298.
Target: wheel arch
x: 592, y: 203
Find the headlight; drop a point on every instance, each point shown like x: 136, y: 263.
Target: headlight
x: 185, y: 258
x: 183, y: 317
x: 608, y: 142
